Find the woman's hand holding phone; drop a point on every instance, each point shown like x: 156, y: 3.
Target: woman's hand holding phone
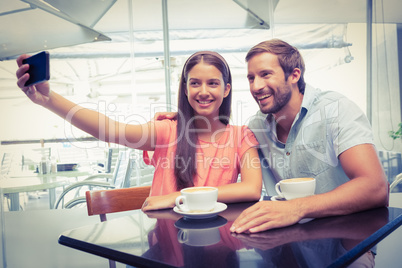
x: 39, y: 93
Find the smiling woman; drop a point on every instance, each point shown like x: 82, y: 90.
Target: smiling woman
x: 200, y: 131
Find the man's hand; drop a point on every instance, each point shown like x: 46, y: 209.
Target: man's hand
x: 273, y: 238
x: 165, y: 115
x: 351, y: 229
x: 267, y: 215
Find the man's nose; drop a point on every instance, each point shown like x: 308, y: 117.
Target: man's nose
x: 258, y: 84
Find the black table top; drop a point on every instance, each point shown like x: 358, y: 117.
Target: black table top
x: 165, y: 239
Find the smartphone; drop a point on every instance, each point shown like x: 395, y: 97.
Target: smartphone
x: 38, y: 68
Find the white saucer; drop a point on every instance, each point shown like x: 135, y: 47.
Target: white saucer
x: 202, y: 215
x: 277, y: 198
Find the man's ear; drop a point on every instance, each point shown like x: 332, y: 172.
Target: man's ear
x: 227, y: 90
x: 295, y: 76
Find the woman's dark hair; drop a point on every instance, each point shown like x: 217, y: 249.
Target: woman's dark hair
x: 289, y: 58
x: 186, y: 139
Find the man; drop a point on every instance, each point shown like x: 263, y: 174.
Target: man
x: 304, y: 132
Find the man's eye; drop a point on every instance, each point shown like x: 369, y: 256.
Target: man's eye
x: 265, y: 74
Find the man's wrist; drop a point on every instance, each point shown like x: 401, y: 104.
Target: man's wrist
x: 304, y: 207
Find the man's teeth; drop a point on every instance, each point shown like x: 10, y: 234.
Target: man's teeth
x: 264, y: 96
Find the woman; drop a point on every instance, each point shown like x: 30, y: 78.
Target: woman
x: 199, y: 149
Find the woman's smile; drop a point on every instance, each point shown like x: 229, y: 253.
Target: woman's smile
x: 204, y: 103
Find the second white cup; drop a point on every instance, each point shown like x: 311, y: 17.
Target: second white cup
x: 295, y: 188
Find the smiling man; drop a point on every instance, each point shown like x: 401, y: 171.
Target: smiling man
x: 306, y: 132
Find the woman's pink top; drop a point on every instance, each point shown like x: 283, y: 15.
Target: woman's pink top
x: 218, y: 163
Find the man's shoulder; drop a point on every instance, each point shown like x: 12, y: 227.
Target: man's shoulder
x: 319, y: 94
x: 320, y: 97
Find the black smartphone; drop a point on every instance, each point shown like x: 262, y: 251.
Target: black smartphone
x: 38, y: 68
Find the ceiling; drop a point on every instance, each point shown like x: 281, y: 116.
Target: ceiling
x: 337, y: 11
x: 286, y: 12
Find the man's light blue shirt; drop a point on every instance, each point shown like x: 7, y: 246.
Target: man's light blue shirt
x: 327, y: 124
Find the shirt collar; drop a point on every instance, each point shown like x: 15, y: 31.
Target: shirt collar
x: 309, y: 96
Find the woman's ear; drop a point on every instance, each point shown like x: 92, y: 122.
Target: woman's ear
x: 185, y: 89
x: 227, y: 90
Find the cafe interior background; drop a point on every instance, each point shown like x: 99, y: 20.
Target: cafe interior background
x: 124, y: 58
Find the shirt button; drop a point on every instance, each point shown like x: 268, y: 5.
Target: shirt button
x: 287, y: 153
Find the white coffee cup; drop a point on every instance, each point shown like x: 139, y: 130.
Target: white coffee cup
x: 295, y: 188
x: 197, y: 199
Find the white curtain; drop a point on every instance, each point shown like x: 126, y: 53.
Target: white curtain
x: 386, y: 86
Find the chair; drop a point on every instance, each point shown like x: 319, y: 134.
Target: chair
x: 119, y: 179
x: 102, y: 202
x: 5, y: 165
x: 397, y: 180
x: 392, y: 165
x: 73, y: 154
x: 143, y: 176
x: 111, y: 159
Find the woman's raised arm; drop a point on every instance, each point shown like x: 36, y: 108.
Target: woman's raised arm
x: 93, y: 122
